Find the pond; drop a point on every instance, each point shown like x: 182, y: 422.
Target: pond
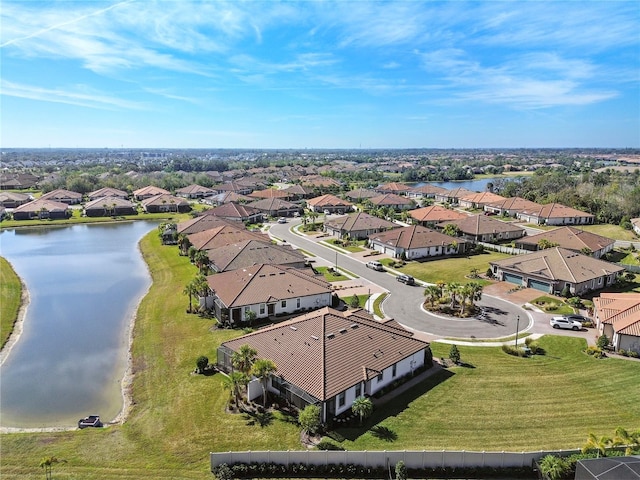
x: 476, y: 185
x: 84, y: 282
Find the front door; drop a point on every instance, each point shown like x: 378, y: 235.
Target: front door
x: 271, y: 309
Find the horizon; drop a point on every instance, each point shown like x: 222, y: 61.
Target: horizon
x: 334, y: 75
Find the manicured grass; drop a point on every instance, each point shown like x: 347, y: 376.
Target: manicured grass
x: 76, y: 219
x: 553, y: 305
x: 377, y: 303
x: 451, y: 269
x: 331, y: 276
x: 10, y: 295
x: 353, y: 248
x: 611, y: 231
x: 507, y: 403
x: 362, y: 300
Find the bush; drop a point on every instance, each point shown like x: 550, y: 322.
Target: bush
x: 401, y: 471
x: 595, y: 352
x: 202, y: 363
x: 327, y: 445
x: 516, y: 352
x: 602, y: 341
x: 454, y: 354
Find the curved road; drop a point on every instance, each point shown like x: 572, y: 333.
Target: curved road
x: 404, y: 302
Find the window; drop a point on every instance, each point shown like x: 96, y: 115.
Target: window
x: 380, y: 377
x: 393, y: 371
x: 341, y: 399
x: 298, y: 303
x: 358, y: 390
x: 262, y: 307
x: 283, y: 304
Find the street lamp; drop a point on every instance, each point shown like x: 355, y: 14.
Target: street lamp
x: 517, y: 328
x: 369, y: 300
x: 336, y: 262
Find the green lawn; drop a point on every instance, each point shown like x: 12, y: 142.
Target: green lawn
x: 553, y: 305
x: 508, y: 403
x: 353, y: 247
x: 450, y: 269
x: 610, y: 231
x: 331, y: 276
x: 76, y: 219
x: 362, y: 300
x: 10, y: 294
x: 504, y: 403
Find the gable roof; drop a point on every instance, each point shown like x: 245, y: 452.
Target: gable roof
x: 163, y: 199
x: 393, y: 187
x: 223, y: 235
x: 457, y: 192
x: 359, y: 221
x: 326, y: 352
x: 40, y: 204
x: 571, y: 238
x: 265, y: 283
x: 328, y: 201
x: 514, y: 204
x: 203, y: 222
x: 621, y: 310
x: 427, y: 190
x: 195, y: 189
x: 559, y: 264
x: 414, y: 236
x: 233, y: 210
x: 107, y: 192
x: 60, y: 194
x: 436, y: 213
x: 555, y: 210
x: 270, y: 193
x: 150, y: 190
x: 111, y: 201
x: 252, y: 252
x: 482, y: 225
x: 481, y: 198
x: 390, y: 199
x: 361, y: 193
x: 273, y: 204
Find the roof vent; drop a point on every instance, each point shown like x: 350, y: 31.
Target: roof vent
x: 343, y: 330
x: 354, y: 325
x: 293, y: 328
x: 315, y: 337
x: 330, y: 335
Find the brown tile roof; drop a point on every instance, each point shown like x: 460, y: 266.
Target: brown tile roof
x: 622, y: 310
x: 195, y: 189
x: 514, y: 204
x: 436, y: 213
x: 204, y: 222
x: 328, y: 201
x: 274, y: 204
x: 270, y: 193
x: 40, y: 204
x: 60, y: 195
x: 359, y: 221
x: 253, y: 252
x: 265, y: 283
x: 319, y: 181
x: 109, y: 202
x: 481, y: 198
x: 555, y: 210
x: 390, y: 199
x: 482, y: 225
x: 415, y: 236
x: 223, y: 235
x: 163, y: 200
x: 427, y: 190
x: 107, y: 192
x: 149, y: 190
x: 393, y: 187
x: 571, y: 238
x: 326, y: 352
x: 455, y: 193
x: 233, y: 210
x: 361, y: 193
x: 227, y: 197
x: 559, y: 264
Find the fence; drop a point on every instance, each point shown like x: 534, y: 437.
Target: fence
x: 504, y: 249
x: 629, y: 268
x: 384, y: 458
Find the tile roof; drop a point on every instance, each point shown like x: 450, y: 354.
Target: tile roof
x: 359, y: 221
x: 328, y: 201
x: 150, y: 190
x: 482, y: 225
x: 204, y: 222
x: 326, y: 352
x: 233, y: 210
x: 40, y: 204
x: 559, y: 264
x: 265, y: 283
x: 270, y: 193
x: 390, y: 199
x: 457, y: 192
x: 436, y: 213
x: 413, y: 237
x: 481, y: 198
x: 164, y: 199
x: 273, y: 204
x: 514, y: 204
x: 107, y: 192
x: 571, y: 238
x: 360, y: 193
x: 109, y: 202
x: 555, y: 210
x: 57, y: 195
x: 393, y: 187
x: 223, y: 235
x: 622, y: 310
x: 427, y: 189
x: 252, y: 252
x: 194, y: 189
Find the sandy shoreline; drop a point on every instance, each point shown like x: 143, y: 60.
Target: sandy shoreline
x: 127, y: 379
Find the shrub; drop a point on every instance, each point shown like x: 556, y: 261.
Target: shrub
x: 401, y: 471
x: 327, y: 445
x: 223, y: 472
x: 553, y: 467
x: 633, y: 354
x: 602, y: 341
x: 454, y: 354
x: 516, y: 352
x: 595, y: 352
x: 202, y: 363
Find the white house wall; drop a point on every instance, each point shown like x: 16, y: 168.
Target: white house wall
x: 626, y: 342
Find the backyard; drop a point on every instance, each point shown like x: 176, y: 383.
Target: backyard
x: 498, y: 402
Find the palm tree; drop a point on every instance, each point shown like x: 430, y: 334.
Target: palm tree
x: 629, y: 439
x: 465, y: 293
x: 47, y: 463
x: 362, y: 406
x: 191, y: 290
x: 599, y: 444
x: 262, y: 369
x: 201, y: 259
x: 243, y: 359
x: 233, y: 382
x: 433, y: 294
x: 453, y: 288
x: 451, y: 229
x: 183, y: 243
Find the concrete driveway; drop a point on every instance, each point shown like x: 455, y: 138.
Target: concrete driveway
x: 503, y: 311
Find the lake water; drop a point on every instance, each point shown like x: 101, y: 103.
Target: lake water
x: 85, y: 282
x: 472, y: 185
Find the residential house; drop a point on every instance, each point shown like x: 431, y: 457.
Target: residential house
x: 109, y: 207
x: 617, y: 315
x: 17, y: 181
x: 267, y: 290
x: 237, y: 213
x: 270, y: 193
x: 425, y: 191
x: 253, y: 252
x: 148, y: 192
x: 452, y: 196
x: 320, y: 183
x: 416, y: 242
x: 223, y: 235
x: 299, y: 192
x: 510, y: 206
x: 165, y: 203
x: 39, y: 209
x: 357, y: 225
x: 329, y: 203
x: 227, y: 197
x: 276, y: 207
x: 63, y: 196
x: 479, y: 200
x: 233, y: 186
x: 359, y: 195
x: 194, y: 191
x: 204, y: 222
x: 434, y: 214
x: 571, y: 238
x: 14, y: 199
x: 107, y: 192
x: 552, y: 269
x: 393, y: 187
x: 391, y: 200
x: 635, y: 224
x: 480, y: 228
x: 329, y: 358
x: 556, y: 214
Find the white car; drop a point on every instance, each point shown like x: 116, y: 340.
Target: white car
x: 564, y: 322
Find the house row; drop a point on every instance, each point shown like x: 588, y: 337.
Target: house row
x: 617, y: 315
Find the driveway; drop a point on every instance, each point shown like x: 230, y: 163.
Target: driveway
x: 503, y: 311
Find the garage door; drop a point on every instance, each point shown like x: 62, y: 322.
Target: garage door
x: 508, y: 277
x: 538, y: 285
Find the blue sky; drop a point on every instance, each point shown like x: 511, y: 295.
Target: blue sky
x: 326, y: 74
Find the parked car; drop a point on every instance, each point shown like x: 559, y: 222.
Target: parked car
x: 282, y: 220
x: 578, y: 318
x: 375, y: 266
x: 407, y: 279
x: 327, y: 212
x: 563, y: 322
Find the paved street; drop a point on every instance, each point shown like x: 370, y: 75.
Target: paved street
x: 503, y: 312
